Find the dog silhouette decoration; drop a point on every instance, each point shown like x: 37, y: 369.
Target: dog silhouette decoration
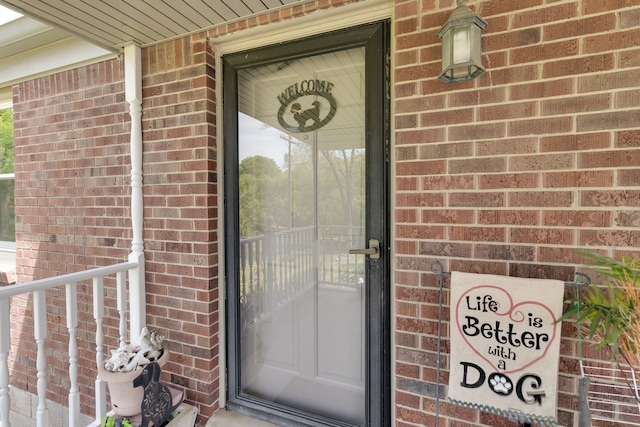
x: 157, y: 403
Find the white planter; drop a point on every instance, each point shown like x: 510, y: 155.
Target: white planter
x: 125, y: 398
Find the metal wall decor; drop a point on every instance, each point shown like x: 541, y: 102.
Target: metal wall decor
x: 306, y: 106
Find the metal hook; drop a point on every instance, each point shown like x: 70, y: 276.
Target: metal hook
x: 581, y: 281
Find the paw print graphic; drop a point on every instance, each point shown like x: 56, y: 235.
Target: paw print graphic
x: 500, y: 384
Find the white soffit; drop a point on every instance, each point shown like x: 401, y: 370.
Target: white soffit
x: 29, y: 49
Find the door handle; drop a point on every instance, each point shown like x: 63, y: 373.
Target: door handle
x: 373, y: 250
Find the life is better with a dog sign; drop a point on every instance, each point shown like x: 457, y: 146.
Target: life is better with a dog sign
x: 505, y: 344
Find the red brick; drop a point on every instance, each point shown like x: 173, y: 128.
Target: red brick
x: 406, y: 247
x: 597, y: 6
x: 418, y: 40
x: 607, y: 159
x: 445, y: 249
x: 475, y: 97
x: 549, y: 236
x: 406, y: 278
x: 630, y: 18
x: 444, y: 151
x: 418, y: 168
x: 506, y: 111
x: 629, y: 178
x: 630, y: 138
x: 579, y: 27
x: 447, y: 216
x: 575, y: 142
x: 627, y: 99
x: 509, y: 217
x: 419, y: 232
x: 404, y: 90
x: 507, y: 146
x: 544, y: 52
x: 478, y: 165
x: 498, y: 7
x: 419, y: 199
x: 618, y: 238
x: 477, y: 234
x: 510, y: 40
x: 504, y: 252
x: 448, y: 182
x: 420, y: 136
x: 609, y: 81
x: 610, y: 198
x: 630, y: 218
x: 406, y: 153
x: 533, y: 17
x: 484, y: 199
x: 423, y: 103
x: 612, y: 41
x: 539, y: 126
x: 540, y: 199
x: 478, y: 266
x: 575, y: 104
x: 496, y: 181
x: 407, y: 184
x: 542, y: 162
x: 541, y: 89
x: 446, y: 117
x: 406, y: 57
x: 476, y: 131
x: 435, y: 20
x: 578, y: 179
x: 406, y: 9
x: 582, y: 65
x: 573, y: 218
x: 629, y: 58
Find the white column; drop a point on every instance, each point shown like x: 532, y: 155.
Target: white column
x: 5, y: 345
x: 40, y: 332
x: 133, y: 95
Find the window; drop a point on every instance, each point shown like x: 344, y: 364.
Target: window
x: 7, y: 182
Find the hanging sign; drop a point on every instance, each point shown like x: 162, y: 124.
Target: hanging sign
x: 306, y: 106
x: 505, y: 345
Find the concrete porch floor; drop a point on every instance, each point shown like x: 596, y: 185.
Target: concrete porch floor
x: 224, y: 418
x: 24, y: 405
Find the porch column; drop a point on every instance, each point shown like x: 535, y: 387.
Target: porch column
x: 133, y: 94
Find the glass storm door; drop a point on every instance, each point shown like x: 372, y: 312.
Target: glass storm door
x: 305, y: 175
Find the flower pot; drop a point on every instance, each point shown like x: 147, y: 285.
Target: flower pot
x: 125, y: 398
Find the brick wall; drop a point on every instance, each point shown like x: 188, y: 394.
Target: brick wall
x: 181, y: 212
x: 513, y: 172
x: 507, y: 174
x: 73, y: 210
x: 72, y: 207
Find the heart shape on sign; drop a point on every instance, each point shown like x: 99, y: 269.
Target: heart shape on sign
x: 497, y: 329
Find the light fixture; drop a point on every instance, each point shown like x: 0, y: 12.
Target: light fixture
x: 461, y: 45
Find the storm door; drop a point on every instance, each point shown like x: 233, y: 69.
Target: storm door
x: 306, y: 220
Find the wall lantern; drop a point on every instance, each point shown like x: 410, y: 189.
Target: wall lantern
x: 461, y: 45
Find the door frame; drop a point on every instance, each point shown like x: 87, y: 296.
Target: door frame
x: 375, y: 37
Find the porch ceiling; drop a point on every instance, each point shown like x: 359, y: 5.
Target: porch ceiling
x: 114, y: 23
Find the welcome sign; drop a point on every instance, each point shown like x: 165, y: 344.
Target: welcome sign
x: 505, y: 345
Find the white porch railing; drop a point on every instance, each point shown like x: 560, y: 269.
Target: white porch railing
x: 38, y: 289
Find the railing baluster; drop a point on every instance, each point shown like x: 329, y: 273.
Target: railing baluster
x: 5, y: 345
x: 38, y: 289
x: 121, y: 286
x: 40, y: 332
x: 72, y: 328
x: 98, y: 315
